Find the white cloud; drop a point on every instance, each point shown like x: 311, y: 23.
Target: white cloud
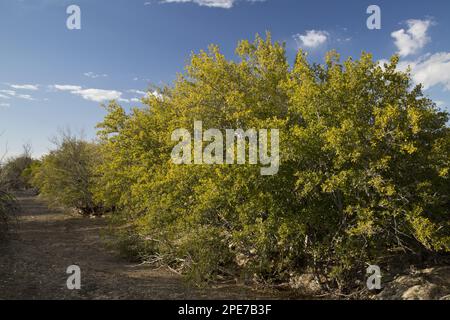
x: 4, y: 105
x: 93, y: 75
x: 26, y: 97
x: 91, y: 94
x: 66, y: 87
x: 439, y: 103
x: 348, y: 39
x: 312, y: 38
x: 98, y: 95
x: 143, y: 93
x: 414, y: 38
x: 8, y: 94
x: 225, y: 4
x: 157, y: 94
x: 32, y: 87
x: 430, y: 70
x: 3, y: 96
x: 11, y: 93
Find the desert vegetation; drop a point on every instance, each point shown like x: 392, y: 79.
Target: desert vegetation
x: 7, y: 209
x: 66, y: 175
x: 16, y: 171
x: 13, y: 176
x: 363, y: 177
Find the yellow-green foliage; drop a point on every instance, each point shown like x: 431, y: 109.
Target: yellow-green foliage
x: 65, y: 176
x: 364, y: 166
x: 13, y: 174
x: 8, y: 209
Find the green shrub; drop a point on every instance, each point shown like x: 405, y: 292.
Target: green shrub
x: 364, y: 167
x: 8, y: 209
x: 65, y: 176
x: 13, y: 174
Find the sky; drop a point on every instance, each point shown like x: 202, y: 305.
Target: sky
x: 53, y: 77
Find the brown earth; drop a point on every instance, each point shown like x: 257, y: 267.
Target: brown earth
x: 423, y: 284
x: 33, y: 264
x: 46, y: 241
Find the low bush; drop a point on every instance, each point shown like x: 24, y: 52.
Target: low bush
x: 65, y: 177
x: 14, y: 174
x: 8, y: 209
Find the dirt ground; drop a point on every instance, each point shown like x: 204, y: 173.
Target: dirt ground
x: 33, y: 264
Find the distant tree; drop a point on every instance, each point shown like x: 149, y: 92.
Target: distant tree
x: 7, y: 210
x: 64, y: 177
x: 7, y: 206
x: 12, y: 171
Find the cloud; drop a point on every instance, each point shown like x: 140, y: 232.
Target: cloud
x: 137, y: 92
x: 143, y: 94
x: 32, y: 87
x: 311, y: 39
x: 26, y: 97
x: 157, y: 95
x: 66, y: 87
x: 440, y: 103
x: 348, y: 39
x: 98, y: 95
x: 414, y: 38
x: 11, y: 93
x: 224, y: 4
x: 91, y: 94
x: 8, y: 94
x: 430, y: 70
x: 93, y: 75
x: 4, y: 105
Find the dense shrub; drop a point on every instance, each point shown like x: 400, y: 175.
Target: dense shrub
x: 65, y: 176
x: 14, y: 172
x: 7, y: 213
x: 10, y: 179
x: 364, y: 167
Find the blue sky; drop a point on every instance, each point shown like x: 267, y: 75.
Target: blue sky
x: 52, y: 77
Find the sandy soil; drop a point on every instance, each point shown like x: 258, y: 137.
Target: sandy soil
x: 33, y: 264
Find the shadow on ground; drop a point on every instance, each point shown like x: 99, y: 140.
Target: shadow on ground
x: 33, y: 264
